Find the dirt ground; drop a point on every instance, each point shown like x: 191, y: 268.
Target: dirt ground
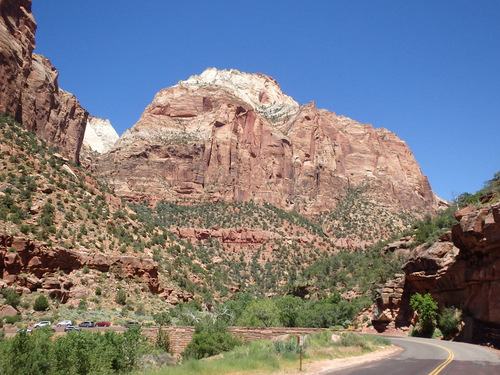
x: 319, y: 367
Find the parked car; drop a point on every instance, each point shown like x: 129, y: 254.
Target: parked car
x: 71, y: 328
x: 64, y: 323
x: 102, y: 324
x: 27, y: 330
x: 86, y: 324
x: 130, y: 324
x: 42, y: 324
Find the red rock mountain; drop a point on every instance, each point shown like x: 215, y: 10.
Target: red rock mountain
x: 28, y: 83
x: 233, y: 136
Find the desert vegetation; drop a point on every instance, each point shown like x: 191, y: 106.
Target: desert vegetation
x: 293, y: 275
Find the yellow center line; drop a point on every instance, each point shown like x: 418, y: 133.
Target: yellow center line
x: 438, y: 369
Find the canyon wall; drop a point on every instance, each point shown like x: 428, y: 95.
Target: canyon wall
x: 460, y: 270
x: 29, y: 90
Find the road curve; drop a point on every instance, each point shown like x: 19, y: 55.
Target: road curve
x: 430, y: 357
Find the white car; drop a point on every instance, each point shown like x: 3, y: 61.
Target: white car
x: 42, y: 323
x: 64, y: 323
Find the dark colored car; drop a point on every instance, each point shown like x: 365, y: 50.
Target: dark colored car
x: 102, y: 324
x: 71, y: 328
x: 86, y: 324
x: 130, y: 324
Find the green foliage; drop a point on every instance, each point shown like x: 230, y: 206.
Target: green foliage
x: 324, y: 315
x: 163, y: 318
x: 210, y: 338
x: 255, y: 357
x: 491, y: 188
x: 289, y: 310
x: 449, y: 321
x: 41, y: 303
x: 11, y: 297
x: 121, y: 297
x: 353, y: 339
x: 345, y: 270
x: 163, y: 340
x: 289, y: 346
x: 260, y: 313
x: 74, y: 353
x: 428, y: 230
x: 426, y: 308
x: 13, y: 319
x: 27, y: 354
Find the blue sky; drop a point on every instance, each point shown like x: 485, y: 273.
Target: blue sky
x: 427, y: 70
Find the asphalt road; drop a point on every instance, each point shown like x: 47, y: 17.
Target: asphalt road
x: 430, y: 357
x: 60, y: 330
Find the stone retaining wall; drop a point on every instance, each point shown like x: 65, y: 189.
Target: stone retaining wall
x: 180, y: 336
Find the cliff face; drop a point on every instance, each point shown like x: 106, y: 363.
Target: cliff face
x: 233, y: 136
x: 464, y: 273
x: 100, y: 136
x: 28, y: 83
x: 41, y: 263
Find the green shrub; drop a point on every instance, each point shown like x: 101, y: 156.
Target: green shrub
x: 162, y: 318
x: 210, y: 338
x: 288, y: 346
x: 320, y: 339
x: 260, y: 313
x: 163, y: 340
x: 449, y: 321
x: 12, y: 319
x: 41, y: 303
x: 75, y: 353
x: 353, y: 339
x: 378, y: 340
x: 121, y: 297
x: 426, y: 308
x: 11, y: 297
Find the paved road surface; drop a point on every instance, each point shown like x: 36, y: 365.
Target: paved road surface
x: 430, y: 357
x: 12, y: 331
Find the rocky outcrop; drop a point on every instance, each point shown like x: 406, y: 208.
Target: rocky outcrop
x: 28, y: 84
x: 233, y: 136
x: 464, y: 273
x: 100, y: 136
x: 239, y: 236
x: 34, y: 265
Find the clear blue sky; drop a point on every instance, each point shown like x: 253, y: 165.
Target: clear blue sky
x: 427, y: 70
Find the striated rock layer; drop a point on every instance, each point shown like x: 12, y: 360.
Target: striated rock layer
x: 28, y: 83
x: 233, y: 136
x: 20, y: 256
x: 464, y: 273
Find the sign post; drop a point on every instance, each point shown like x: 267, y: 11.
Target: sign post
x: 300, y: 340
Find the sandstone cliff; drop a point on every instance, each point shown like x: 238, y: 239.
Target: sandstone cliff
x: 34, y: 266
x: 461, y: 270
x: 100, y: 136
x: 28, y: 83
x: 233, y: 136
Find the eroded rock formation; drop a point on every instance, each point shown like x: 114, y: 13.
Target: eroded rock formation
x: 233, y: 136
x: 28, y: 84
x: 464, y: 273
x: 35, y: 265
